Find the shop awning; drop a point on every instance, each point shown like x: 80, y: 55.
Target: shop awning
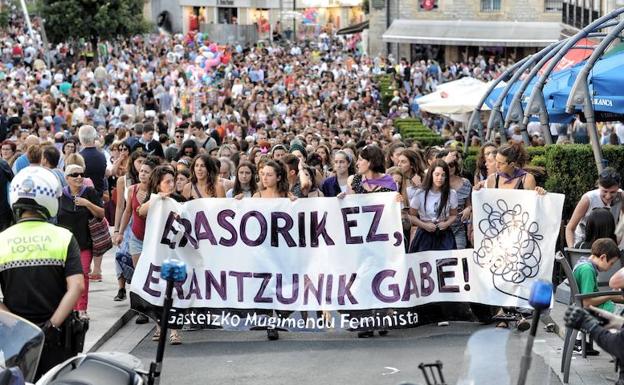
x: 355, y: 28
x: 473, y: 33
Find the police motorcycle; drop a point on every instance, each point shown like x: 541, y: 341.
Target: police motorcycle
x: 21, y: 344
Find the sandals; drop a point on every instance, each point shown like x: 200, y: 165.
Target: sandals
x: 83, y: 315
x: 174, y: 339
x: 95, y: 277
x: 503, y: 325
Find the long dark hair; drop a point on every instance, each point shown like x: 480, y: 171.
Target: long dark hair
x: 481, y: 166
x: 133, y: 174
x: 156, y: 177
x: 416, y: 161
x: 253, y: 185
x: 190, y: 143
x: 280, y: 171
x: 600, y: 224
x: 446, y: 187
x: 212, y: 172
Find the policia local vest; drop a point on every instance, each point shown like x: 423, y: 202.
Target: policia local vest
x: 33, y: 257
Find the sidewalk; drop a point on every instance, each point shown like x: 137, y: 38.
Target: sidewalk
x: 106, y: 315
x: 596, y: 370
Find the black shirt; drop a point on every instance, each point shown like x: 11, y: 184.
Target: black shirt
x: 76, y: 218
x: 95, y: 168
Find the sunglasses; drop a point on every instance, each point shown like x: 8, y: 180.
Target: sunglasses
x: 124, y: 149
x: 179, y: 136
x: 76, y: 175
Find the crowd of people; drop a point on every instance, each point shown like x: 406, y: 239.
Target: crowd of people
x: 188, y: 119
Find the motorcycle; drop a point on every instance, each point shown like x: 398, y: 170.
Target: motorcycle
x: 21, y: 344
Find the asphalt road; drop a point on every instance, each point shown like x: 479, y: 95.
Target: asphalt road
x: 220, y: 357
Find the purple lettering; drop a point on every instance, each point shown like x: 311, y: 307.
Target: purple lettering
x: 301, y: 223
x: 188, y: 237
x: 372, y: 235
x: 153, y: 276
x: 202, y: 228
x: 277, y: 230
x: 344, y: 289
x: 263, y: 228
x: 443, y: 275
x: 169, y: 229
x: 194, y: 288
x: 393, y: 287
x: 227, y: 226
x: 280, y: 290
x: 425, y: 277
x: 240, y: 276
x: 317, y: 229
x: 308, y: 287
x: 259, y: 298
x: 351, y: 240
x: 411, y: 287
x: 220, y: 287
x: 328, y: 288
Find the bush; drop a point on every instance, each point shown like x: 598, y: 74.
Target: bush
x: 571, y: 170
x: 414, y: 129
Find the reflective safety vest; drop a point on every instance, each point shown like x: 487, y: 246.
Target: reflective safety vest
x: 33, y: 243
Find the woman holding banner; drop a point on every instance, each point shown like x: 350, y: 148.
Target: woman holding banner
x: 204, y: 179
x: 275, y: 182
x: 370, y: 178
x: 510, y: 174
x: 161, y: 182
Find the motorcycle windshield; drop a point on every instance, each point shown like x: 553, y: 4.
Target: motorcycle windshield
x: 493, y: 357
x: 21, y: 343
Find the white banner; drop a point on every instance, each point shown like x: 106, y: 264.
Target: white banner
x: 331, y: 254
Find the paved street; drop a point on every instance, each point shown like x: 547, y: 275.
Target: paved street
x: 335, y: 358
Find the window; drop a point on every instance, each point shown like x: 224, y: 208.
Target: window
x: 553, y: 6
x: 490, y: 5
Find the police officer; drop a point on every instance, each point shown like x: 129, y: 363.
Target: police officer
x: 605, y: 328
x: 40, y: 271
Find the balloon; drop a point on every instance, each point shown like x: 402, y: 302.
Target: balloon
x: 213, y: 47
x: 213, y: 62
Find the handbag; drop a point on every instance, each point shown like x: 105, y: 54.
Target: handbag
x: 100, y: 236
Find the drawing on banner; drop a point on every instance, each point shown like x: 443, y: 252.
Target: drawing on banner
x: 510, y: 246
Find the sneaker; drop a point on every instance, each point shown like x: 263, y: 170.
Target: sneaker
x: 121, y: 295
x: 589, y: 349
x: 141, y: 319
x: 272, y: 334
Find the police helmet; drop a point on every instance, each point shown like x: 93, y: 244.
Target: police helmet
x: 37, y: 189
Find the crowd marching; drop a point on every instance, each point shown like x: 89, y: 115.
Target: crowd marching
x: 186, y: 118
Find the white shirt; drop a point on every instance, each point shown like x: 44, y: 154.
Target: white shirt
x: 429, y: 213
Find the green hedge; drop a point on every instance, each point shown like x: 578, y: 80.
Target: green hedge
x: 386, y: 88
x: 415, y: 130
x: 572, y: 171
x: 567, y: 169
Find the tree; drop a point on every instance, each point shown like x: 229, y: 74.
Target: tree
x: 92, y: 20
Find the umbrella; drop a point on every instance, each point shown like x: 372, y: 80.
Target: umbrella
x: 456, y: 97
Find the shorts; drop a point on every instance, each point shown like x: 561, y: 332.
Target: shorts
x: 135, y: 245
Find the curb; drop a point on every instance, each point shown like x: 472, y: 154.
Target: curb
x: 127, y: 316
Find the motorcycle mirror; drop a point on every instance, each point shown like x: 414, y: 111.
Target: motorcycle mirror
x: 173, y: 270
x: 541, y: 294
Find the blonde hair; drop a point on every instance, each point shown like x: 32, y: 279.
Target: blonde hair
x: 403, y: 190
x: 76, y: 159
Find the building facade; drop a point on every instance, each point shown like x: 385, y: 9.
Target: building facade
x: 509, y: 28
x: 302, y: 18
x: 577, y: 14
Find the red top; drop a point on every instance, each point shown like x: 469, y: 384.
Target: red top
x: 138, y: 222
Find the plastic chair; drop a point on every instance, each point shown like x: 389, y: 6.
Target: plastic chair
x: 577, y: 299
